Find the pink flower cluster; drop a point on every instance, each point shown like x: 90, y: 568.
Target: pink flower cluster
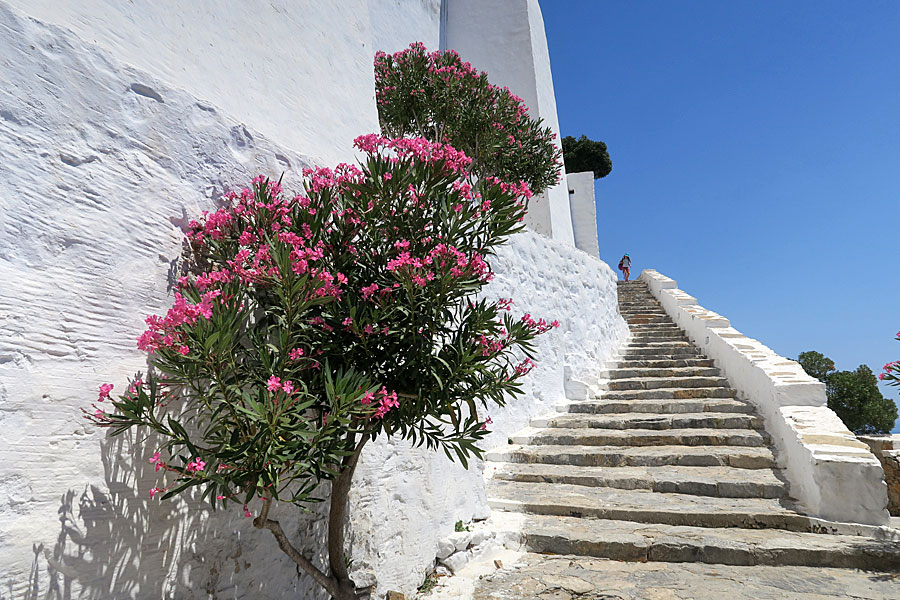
x: 489, y: 346
x: 540, y: 326
x: 165, y: 333
x: 386, y: 401
x: 418, y: 148
x: 889, y: 367
x: 441, y: 256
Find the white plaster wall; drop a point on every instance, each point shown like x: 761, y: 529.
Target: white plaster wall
x: 506, y: 39
x: 298, y: 71
x: 584, y: 211
x: 101, y: 166
x: 831, y: 473
x: 413, y: 498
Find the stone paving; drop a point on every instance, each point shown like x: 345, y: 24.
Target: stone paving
x: 541, y: 577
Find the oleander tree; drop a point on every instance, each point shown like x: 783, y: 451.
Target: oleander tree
x: 440, y: 97
x: 312, y: 324
x: 891, y: 371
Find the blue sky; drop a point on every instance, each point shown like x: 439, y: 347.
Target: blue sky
x: 756, y: 157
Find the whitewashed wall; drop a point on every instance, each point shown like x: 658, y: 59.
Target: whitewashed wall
x: 297, y: 71
x: 506, y: 39
x: 584, y: 211
x: 118, y: 127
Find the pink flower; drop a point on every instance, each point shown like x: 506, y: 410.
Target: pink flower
x: 486, y: 423
x: 388, y: 176
x: 220, y: 497
x: 155, y: 491
x: 195, y: 466
x: 247, y: 512
x: 295, y: 354
x: 287, y: 387
x: 367, y: 398
x: 105, y: 389
x: 155, y: 459
x: 274, y: 384
x: 183, y: 350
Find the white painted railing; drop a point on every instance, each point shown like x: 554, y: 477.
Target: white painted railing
x: 831, y: 474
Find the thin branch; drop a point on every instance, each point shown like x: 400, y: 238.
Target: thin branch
x: 263, y: 522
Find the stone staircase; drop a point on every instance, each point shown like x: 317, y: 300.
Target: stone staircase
x: 665, y: 465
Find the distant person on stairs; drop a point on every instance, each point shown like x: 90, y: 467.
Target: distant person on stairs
x: 625, y: 266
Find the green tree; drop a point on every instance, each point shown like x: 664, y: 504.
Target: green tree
x: 852, y: 395
x: 585, y: 154
x: 816, y: 364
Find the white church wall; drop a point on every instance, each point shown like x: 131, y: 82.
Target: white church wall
x: 101, y: 166
x: 506, y: 39
x: 832, y: 474
x: 584, y: 211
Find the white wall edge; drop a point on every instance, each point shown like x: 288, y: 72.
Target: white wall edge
x: 831, y: 474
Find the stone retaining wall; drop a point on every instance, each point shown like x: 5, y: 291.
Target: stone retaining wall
x: 887, y: 450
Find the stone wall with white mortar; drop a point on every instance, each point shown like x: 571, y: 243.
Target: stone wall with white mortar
x: 101, y: 166
x: 886, y: 449
x: 833, y: 475
x: 584, y: 211
x: 506, y: 39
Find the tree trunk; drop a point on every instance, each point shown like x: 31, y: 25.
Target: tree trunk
x: 340, y: 490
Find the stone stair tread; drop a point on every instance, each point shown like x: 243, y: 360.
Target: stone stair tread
x: 629, y: 383
x: 628, y: 421
x: 642, y: 506
x: 700, y: 436
x: 742, y: 457
x: 704, y: 481
x: 673, y: 393
x: 630, y: 541
x: 663, y: 372
x: 663, y: 406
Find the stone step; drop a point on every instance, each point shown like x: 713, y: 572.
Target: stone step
x: 659, y: 407
x: 670, y: 334
x: 652, y: 383
x: 642, y: 311
x: 722, y: 482
x: 644, y: 372
x: 663, y: 345
x: 658, y: 339
x: 636, y: 363
x: 639, y: 437
x: 643, y: 320
x: 740, y: 457
x: 674, y: 393
x: 661, y: 353
x: 642, y: 506
x: 655, y: 422
x: 629, y: 541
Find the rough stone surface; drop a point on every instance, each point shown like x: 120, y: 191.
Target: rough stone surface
x: 574, y: 577
x: 887, y: 450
